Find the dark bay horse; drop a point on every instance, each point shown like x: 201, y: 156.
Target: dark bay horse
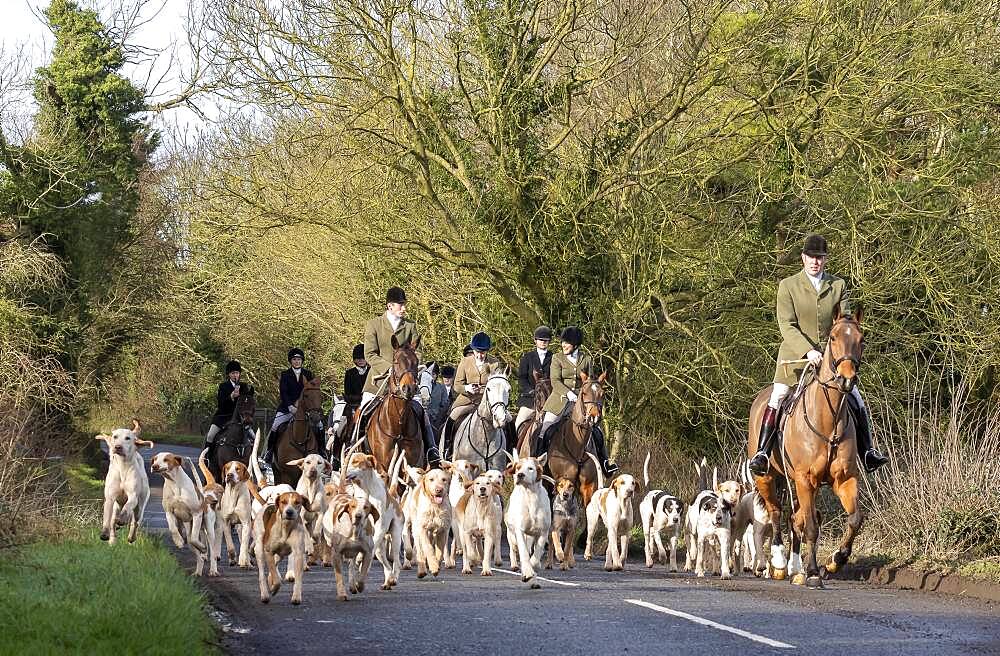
x: 301, y: 435
x: 819, y: 448
x: 543, y: 388
x: 572, y: 439
x: 395, y: 421
x: 231, y: 442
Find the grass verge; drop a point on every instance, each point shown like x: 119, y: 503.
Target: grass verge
x: 83, y: 596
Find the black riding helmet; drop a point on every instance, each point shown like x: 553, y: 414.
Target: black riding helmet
x: 447, y: 371
x: 233, y: 365
x: 572, y: 335
x: 359, y: 352
x: 543, y: 332
x: 395, y: 295
x: 296, y: 352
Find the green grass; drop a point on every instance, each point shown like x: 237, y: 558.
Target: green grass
x: 83, y: 596
x: 83, y: 481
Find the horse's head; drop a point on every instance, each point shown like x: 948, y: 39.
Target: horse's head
x: 496, y: 399
x: 246, y: 407
x: 403, y: 377
x: 847, y: 342
x: 425, y: 382
x: 590, y: 401
x: 543, y: 389
x: 311, y: 402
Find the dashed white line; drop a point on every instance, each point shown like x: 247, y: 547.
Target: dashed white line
x: 540, y: 578
x: 715, y: 625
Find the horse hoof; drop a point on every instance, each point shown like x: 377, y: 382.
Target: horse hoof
x: 779, y: 573
x: 814, y: 582
x: 799, y: 579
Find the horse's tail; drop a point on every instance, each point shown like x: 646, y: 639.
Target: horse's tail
x: 600, y: 472
x: 203, y: 466
x: 645, y: 471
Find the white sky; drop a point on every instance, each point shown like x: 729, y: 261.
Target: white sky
x: 19, y: 27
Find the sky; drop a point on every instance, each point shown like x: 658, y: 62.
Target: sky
x: 20, y: 27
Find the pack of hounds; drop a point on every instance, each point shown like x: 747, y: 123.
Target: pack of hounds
x: 404, y: 516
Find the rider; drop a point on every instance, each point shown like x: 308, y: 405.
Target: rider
x: 805, y: 307
x: 354, y: 383
x: 378, y: 352
x: 290, y: 387
x: 448, y: 380
x: 564, y: 372
x: 440, y: 401
x: 225, y: 402
x: 538, y: 360
x: 470, y: 383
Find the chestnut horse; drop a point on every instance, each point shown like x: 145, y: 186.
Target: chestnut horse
x: 572, y: 439
x: 395, y: 421
x: 543, y: 387
x: 301, y: 435
x: 231, y: 442
x: 818, y: 447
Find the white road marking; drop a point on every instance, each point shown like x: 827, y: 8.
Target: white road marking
x: 715, y: 625
x: 540, y: 578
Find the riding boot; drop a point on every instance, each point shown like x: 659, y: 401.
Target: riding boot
x: 272, y: 437
x: 870, y: 456
x: 760, y: 463
x: 433, y: 457
x: 610, y: 468
x: 543, y: 438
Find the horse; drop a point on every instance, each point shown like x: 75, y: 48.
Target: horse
x: 543, y: 388
x: 230, y: 442
x: 818, y: 446
x: 572, y: 439
x: 480, y: 436
x: 301, y: 436
x: 395, y: 421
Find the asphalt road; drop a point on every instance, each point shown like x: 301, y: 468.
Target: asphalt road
x: 590, y: 611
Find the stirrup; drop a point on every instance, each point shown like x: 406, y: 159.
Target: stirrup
x: 610, y: 468
x: 755, y: 465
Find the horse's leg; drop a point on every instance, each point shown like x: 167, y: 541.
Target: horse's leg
x: 847, y: 491
x: 807, y: 531
x: 766, y: 487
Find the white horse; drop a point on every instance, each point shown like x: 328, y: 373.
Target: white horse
x: 425, y: 383
x: 479, y: 438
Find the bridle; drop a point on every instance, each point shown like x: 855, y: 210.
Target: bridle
x: 836, y: 383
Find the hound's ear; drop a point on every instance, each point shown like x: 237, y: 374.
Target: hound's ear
x: 102, y: 436
x: 305, y: 503
x: 602, y: 377
x: 468, y: 484
x: 295, y: 463
x: 496, y: 488
x: 509, y: 469
x: 373, y: 511
x: 542, y: 459
x: 371, y: 461
x: 327, y: 467
x: 474, y: 468
x: 176, y: 460
x: 447, y: 466
x: 144, y: 443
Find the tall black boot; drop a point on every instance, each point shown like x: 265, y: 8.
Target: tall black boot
x: 760, y: 463
x: 427, y: 435
x: 272, y: 437
x: 610, y: 468
x: 543, y: 438
x: 870, y: 456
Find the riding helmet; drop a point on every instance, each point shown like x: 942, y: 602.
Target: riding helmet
x: 481, y: 342
x: 814, y: 246
x: 395, y: 295
x: 359, y: 352
x: 447, y: 371
x: 296, y: 352
x: 233, y: 365
x: 543, y: 332
x: 572, y: 335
